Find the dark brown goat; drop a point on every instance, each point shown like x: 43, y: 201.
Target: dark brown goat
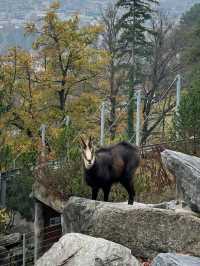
x: 113, y: 164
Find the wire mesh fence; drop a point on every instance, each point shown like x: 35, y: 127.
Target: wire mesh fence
x: 22, y: 253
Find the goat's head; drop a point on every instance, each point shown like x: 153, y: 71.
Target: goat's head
x: 88, y: 152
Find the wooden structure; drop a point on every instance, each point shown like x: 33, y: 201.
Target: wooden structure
x: 48, y: 219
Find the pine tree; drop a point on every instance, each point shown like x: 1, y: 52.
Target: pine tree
x: 135, y: 14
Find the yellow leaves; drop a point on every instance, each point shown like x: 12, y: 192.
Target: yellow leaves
x: 65, y: 40
x: 19, y: 143
x: 25, y: 60
x: 4, y: 219
x: 65, y: 58
x: 51, y: 18
x: 85, y: 112
x: 91, y: 32
x: 30, y: 28
x: 55, y: 132
x: 55, y: 5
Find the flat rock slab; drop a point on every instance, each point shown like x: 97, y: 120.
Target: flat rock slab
x: 169, y: 259
x: 82, y: 250
x: 145, y: 230
x: 186, y: 169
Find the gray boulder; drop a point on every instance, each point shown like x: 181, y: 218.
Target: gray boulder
x: 169, y: 259
x: 145, y: 230
x: 82, y: 250
x: 186, y: 169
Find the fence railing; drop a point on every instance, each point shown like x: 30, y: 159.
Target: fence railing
x: 22, y: 253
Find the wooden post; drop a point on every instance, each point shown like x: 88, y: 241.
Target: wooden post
x: 62, y: 223
x: 178, y: 99
x: 0, y: 189
x: 178, y: 92
x: 3, y: 191
x: 43, y: 133
x: 24, y: 249
x: 102, y: 123
x: 138, y: 95
x: 38, y: 230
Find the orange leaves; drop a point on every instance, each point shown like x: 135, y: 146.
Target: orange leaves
x: 55, y: 5
x: 41, y: 87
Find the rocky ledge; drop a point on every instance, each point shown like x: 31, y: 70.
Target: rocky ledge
x: 186, y: 169
x: 145, y: 230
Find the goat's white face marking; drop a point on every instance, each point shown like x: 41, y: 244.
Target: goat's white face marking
x: 88, y: 154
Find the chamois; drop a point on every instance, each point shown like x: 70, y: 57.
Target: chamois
x: 106, y: 166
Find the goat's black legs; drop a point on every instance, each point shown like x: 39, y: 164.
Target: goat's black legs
x: 95, y: 193
x: 106, y: 191
x: 131, y: 192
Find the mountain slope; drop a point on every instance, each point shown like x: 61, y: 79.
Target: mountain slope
x: 14, y: 14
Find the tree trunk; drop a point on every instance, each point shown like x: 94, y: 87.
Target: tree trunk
x: 62, y: 99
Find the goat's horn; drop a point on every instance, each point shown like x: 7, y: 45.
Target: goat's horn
x: 82, y: 140
x: 90, y: 140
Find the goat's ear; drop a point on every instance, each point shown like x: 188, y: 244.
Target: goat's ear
x: 82, y: 142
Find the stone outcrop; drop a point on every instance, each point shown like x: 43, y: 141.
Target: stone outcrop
x: 186, y: 169
x: 169, y: 259
x: 145, y: 230
x: 81, y: 250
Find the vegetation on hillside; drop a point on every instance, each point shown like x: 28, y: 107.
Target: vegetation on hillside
x: 70, y: 71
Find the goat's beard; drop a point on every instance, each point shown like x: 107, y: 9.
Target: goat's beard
x: 88, y: 165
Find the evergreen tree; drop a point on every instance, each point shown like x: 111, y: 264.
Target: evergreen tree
x: 134, y: 43
x: 187, y: 122
x: 189, y: 35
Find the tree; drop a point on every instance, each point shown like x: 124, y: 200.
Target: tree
x: 114, y: 72
x: 189, y: 33
x: 43, y: 87
x: 133, y: 21
x: 68, y: 55
x: 160, y: 69
x: 25, y: 101
x: 191, y: 17
x: 187, y: 122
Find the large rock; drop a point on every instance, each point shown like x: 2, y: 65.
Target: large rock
x: 169, y: 259
x: 186, y: 169
x: 82, y: 250
x: 145, y: 230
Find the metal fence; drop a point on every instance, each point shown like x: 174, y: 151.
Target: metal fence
x: 22, y: 253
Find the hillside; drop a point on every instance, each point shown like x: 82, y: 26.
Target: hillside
x: 14, y: 14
